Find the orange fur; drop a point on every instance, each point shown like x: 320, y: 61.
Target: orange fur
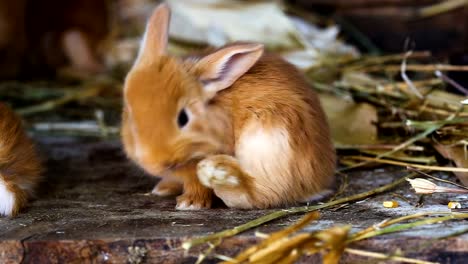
x: 252, y: 107
x: 19, y: 165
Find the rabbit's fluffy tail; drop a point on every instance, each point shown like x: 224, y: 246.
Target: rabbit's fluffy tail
x: 10, y: 201
x: 20, y: 167
x: 7, y: 199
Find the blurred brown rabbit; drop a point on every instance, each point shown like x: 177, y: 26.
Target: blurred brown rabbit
x: 12, y: 36
x: 237, y: 121
x: 20, y: 168
x: 40, y: 36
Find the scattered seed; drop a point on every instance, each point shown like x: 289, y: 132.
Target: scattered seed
x: 390, y: 204
x: 454, y: 205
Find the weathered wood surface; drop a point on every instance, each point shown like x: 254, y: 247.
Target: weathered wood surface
x: 93, y: 208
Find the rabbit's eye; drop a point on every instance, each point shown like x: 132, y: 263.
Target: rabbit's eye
x: 182, y: 119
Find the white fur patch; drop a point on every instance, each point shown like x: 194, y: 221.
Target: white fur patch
x: 209, y: 175
x: 7, y: 199
x: 265, y: 154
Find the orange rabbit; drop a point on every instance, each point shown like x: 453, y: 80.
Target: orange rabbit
x: 19, y: 166
x: 237, y: 122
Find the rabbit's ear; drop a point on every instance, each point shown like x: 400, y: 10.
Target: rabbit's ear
x: 221, y: 69
x: 154, y: 42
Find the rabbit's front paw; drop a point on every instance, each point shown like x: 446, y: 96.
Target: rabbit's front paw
x: 218, y: 171
x: 167, y: 187
x: 223, y: 174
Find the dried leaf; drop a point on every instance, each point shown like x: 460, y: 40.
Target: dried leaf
x: 279, y: 248
x: 275, y: 240
x: 459, y: 155
x: 422, y: 185
x: 351, y: 123
x: 335, y: 239
x: 321, y: 45
x: 443, y: 99
x: 427, y: 187
x: 291, y: 258
x: 324, y: 40
x: 218, y: 22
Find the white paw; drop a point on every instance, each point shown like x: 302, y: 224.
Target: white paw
x: 189, y: 202
x: 185, y: 206
x: 7, y: 200
x: 210, y: 174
